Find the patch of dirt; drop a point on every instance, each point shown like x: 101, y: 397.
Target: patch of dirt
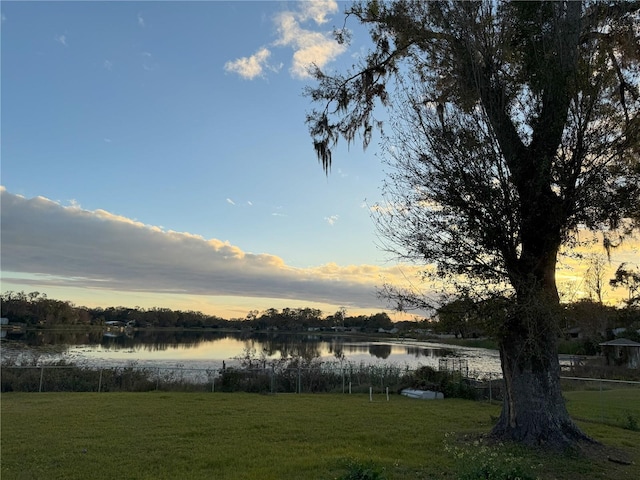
x: 604, y: 453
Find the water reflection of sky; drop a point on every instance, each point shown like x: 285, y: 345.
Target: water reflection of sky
x: 211, y: 353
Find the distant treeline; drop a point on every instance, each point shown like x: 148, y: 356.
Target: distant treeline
x: 36, y: 310
x: 587, y: 320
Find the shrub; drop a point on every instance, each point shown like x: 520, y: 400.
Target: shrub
x: 451, y: 384
x: 244, y: 380
x: 632, y: 423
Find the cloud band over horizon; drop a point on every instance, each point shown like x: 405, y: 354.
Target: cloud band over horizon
x: 67, y: 246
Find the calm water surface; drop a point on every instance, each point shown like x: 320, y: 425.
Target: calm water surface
x: 211, y: 349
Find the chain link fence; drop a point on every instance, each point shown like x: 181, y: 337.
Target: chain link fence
x: 291, y: 379
x: 607, y: 401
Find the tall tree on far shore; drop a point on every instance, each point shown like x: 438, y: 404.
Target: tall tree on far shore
x: 513, y: 126
x: 594, y: 277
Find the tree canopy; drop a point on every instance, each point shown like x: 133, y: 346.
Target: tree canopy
x: 513, y: 127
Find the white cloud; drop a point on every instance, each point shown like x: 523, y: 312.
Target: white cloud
x: 317, y: 10
x: 141, y: 20
x: 332, y: 219
x: 71, y: 247
x: 107, y: 65
x: 309, y: 47
x: 250, y: 67
x: 61, y: 39
x: 230, y: 202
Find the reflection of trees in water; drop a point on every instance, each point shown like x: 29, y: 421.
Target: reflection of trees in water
x: 336, y: 346
x: 357, y: 348
x: 380, y: 350
x: 36, y: 338
x: 160, y: 340
x: 288, y: 345
x: 424, y: 352
x: 302, y: 346
x: 163, y: 340
x: 310, y: 346
x: 271, y: 344
x: 145, y: 340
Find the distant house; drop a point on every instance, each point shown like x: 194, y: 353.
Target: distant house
x: 114, y: 323
x: 114, y: 326
x: 622, y: 351
x: 11, y: 327
x: 575, y: 332
x: 393, y: 330
x: 5, y: 323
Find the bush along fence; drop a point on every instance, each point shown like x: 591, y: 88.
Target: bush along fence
x: 293, y: 376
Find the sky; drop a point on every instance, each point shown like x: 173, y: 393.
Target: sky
x: 155, y: 154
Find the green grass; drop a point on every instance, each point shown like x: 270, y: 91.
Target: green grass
x: 159, y: 435
x: 619, y: 407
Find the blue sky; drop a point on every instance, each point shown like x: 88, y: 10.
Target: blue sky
x: 155, y: 154
x: 179, y: 118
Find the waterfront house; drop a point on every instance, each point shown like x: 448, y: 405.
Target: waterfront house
x: 622, y: 352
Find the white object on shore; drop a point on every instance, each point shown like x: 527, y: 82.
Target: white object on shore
x: 422, y: 394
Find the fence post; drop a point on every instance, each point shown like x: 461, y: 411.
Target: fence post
x: 490, y: 392
x: 100, y: 381
x: 272, y: 375
x: 299, y: 380
x: 41, y: 376
x: 157, y: 379
x: 601, y: 403
x: 371, y: 394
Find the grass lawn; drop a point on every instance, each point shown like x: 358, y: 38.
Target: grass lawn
x: 160, y: 435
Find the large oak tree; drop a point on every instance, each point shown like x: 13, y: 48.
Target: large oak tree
x: 512, y: 127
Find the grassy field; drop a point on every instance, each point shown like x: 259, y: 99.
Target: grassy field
x: 159, y: 435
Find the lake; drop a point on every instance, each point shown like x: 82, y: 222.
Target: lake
x: 190, y: 349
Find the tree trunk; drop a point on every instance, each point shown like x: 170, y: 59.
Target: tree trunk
x: 534, y: 411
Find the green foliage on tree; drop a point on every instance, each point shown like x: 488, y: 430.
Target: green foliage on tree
x: 35, y: 308
x: 629, y: 278
x: 458, y: 317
